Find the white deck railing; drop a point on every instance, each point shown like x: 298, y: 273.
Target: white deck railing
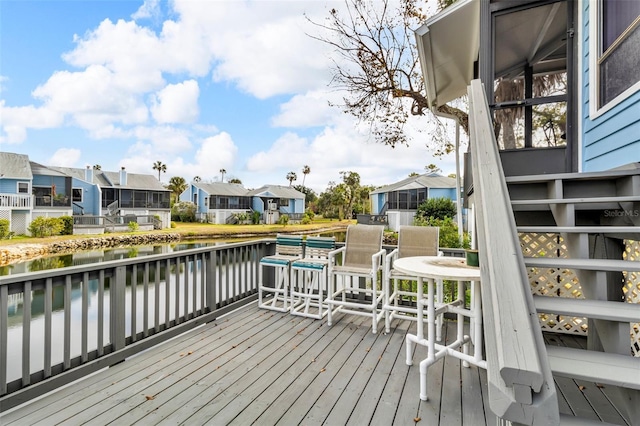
x: 15, y: 201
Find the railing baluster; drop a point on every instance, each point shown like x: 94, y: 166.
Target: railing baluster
x: 48, y: 311
x: 186, y: 287
x: 134, y: 311
x: 101, y: 312
x: 67, y: 322
x: 117, y: 291
x: 156, y: 302
x: 26, y: 334
x: 167, y: 292
x: 177, y: 301
x: 85, y: 316
x: 145, y: 303
x: 4, y: 319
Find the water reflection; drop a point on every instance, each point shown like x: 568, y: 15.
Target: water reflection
x: 117, y: 253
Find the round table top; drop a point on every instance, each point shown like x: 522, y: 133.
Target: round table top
x: 438, y: 267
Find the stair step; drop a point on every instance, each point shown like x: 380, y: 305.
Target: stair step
x: 599, y: 309
x: 604, y: 175
x: 581, y: 229
x: 582, y: 200
x: 599, y: 367
x: 608, y: 265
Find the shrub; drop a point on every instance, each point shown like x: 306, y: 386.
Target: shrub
x: 133, y: 226
x: 173, y: 224
x: 4, y: 228
x: 184, y: 211
x: 438, y: 208
x: 283, y: 220
x: 45, y: 226
x: 255, y: 217
x: 448, y: 232
x: 67, y: 225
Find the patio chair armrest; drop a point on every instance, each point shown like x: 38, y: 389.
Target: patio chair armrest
x: 333, y: 253
x: 440, y: 253
x: 393, y: 255
x: 378, y: 260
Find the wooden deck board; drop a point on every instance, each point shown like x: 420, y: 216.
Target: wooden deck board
x: 262, y: 367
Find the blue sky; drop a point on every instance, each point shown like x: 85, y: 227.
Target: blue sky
x: 197, y: 85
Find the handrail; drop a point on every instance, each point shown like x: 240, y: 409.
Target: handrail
x: 521, y: 386
x: 114, y: 310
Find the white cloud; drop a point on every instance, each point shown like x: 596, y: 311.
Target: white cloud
x: 65, y: 157
x: 306, y: 110
x: 149, y: 9
x: 177, y: 103
x: 16, y: 120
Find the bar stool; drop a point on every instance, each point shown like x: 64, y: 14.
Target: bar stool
x: 309, y: 278
x: 288, y: 249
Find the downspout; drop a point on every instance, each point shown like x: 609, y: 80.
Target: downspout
x: 458, y: 184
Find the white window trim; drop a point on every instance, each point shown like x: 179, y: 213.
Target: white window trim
x: 18, y: 188
x: 594, y: 68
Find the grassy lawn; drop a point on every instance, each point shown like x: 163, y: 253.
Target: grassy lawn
x: 202, y: 230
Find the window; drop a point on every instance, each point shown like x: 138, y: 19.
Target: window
x: 284, y: 202
x: 618, y: 55
x: 77, y: 195
x: 23, y: 187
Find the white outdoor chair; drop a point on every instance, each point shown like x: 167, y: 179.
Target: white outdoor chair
x: 362, y: 257
x: 401, y: 301
x: 309, y: 278
x: 288, y: 249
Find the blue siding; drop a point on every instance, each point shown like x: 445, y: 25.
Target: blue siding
x: 90, y: 196
x: 443, y: 192
x: 257, y: 204
x: 613, y: 138
x: 10, y: 186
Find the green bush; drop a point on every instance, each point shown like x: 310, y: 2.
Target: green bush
x: 67, y: 225
x: 283, y: 220
x: 438, y: 208
x: 45, y: 226
x: 255, y: 217
x: 184, y: 211
x: 448, y: 232
x: 133, y: 226
x: 173, y: 224
x: 4, y: 228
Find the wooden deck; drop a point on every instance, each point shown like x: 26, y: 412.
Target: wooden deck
x: 262, y: 367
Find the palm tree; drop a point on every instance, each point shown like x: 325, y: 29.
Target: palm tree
x: 291, y: 176
x: 160, y: 167
x: 177, y: 185
x: 305, y: 171
x: 235, y: 180
x: 197, y: 178
x: 97, y: 167
x: 222, y: 172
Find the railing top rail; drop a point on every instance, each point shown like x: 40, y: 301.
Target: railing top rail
x: 112, y: 264
x: 518, y: 371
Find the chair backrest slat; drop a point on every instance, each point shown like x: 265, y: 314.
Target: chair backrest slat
x: 289, y: 245
x: 418, y: 241
x: 319, y: 247
x: 362, y: 242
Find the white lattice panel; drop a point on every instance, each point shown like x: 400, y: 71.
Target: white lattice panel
x: 19, y: 223
x: 553, y: 282
x: 632, y: 290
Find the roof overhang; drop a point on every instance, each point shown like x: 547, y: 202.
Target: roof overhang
x: 448, y: 45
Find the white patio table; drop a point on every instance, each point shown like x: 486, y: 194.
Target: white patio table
x: 433, y: 268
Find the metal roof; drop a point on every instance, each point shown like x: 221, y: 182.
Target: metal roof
x: 107, y: 179
x: 14, y: 166
x: 220, y: 188
x: 276, y: 191
x: 421, y: 181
